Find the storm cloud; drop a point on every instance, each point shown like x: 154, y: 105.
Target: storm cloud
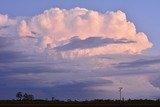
x: 77, y: 49
x: 55, y: 27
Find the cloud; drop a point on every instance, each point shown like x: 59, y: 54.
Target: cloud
x: 11, y: 56
x: 155, y: 81
x: 5, y: 21
x: 138, y: 63
x: 8, y: 26
x: 134, y: 86
x: 55, y: 27
x: 8, y: 54
x: 72, y: 48
x: 91, y: 42
x: 3, y: 27
x: 5, y: 42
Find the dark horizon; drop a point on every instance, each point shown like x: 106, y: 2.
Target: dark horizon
x: 80, y: 49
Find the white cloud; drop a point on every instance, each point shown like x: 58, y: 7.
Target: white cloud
x: 8, y: 27
x: 55, y: 27
x: 4, y: 20
x: 23, y: 29
x: 134, y: 86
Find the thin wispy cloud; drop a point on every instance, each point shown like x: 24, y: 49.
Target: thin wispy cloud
x: 91, y: 42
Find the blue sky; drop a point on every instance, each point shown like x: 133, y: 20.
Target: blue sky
x: 80, y: 53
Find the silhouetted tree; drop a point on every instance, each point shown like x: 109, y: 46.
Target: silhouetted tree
x: 25, y: 96
x: 53, y: 98
x: 69, y: 100
x: 28, y: 97
x: 19, y: 95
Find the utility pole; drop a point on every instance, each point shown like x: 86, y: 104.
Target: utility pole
x: 120, y: 93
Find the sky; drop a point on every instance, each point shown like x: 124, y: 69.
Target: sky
x: 78, y: 49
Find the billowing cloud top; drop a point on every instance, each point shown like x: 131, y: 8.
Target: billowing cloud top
x: 57, y: 27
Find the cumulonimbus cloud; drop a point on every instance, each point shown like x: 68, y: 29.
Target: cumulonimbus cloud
x: 56, y: 27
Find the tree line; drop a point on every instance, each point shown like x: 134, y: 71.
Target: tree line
x: 24, y: 96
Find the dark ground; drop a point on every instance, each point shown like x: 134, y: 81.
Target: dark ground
x: 69, y: 103
x: 74, y: 105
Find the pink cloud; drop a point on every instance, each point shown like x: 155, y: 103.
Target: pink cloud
x: 57, y: 26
